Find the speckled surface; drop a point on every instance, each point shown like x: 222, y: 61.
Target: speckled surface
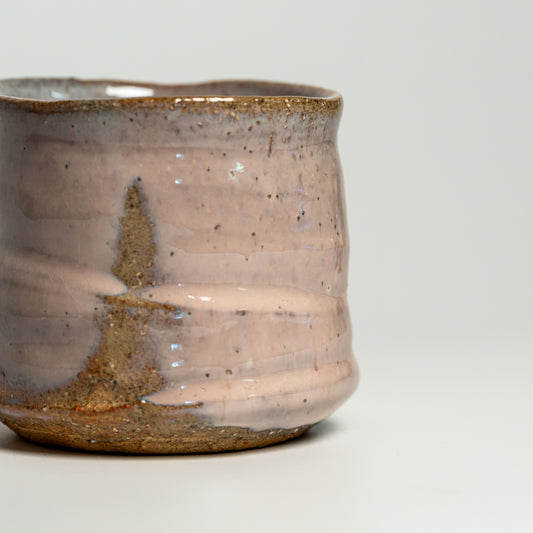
x: 180, y: 256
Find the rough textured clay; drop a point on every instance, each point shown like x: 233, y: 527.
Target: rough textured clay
x: 173, y: 264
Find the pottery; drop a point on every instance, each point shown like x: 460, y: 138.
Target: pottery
x: 173, y: 264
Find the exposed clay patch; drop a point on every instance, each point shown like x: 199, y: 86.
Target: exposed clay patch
x: 123, y: 369
x: 139, y: 428
x: 102, y: 410
x: 135, y: 263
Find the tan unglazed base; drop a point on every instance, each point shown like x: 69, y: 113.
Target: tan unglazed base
x: 141, y: 428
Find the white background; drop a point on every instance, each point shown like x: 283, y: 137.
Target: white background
x: 437, y: 149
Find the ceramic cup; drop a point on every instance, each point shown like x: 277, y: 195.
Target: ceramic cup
x: 173, y: 264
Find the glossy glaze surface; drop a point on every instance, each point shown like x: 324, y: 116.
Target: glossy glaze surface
x: 213, y: 226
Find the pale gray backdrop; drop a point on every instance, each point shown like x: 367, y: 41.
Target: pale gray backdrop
x: 437, y: 147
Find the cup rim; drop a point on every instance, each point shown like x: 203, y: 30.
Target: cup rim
x: 223, y: 93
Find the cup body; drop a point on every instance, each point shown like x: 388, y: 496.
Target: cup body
x: 173, y: 264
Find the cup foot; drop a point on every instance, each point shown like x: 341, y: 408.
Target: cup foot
x: 140, y: 428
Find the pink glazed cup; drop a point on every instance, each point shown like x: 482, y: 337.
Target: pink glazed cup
x: 173, y: 264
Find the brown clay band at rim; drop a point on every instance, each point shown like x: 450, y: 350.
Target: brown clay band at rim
x: 62, y: 95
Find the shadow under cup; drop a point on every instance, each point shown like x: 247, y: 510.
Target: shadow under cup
x: 173, y: 264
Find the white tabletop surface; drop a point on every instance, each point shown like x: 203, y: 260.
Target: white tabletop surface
x: 442, y: 446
